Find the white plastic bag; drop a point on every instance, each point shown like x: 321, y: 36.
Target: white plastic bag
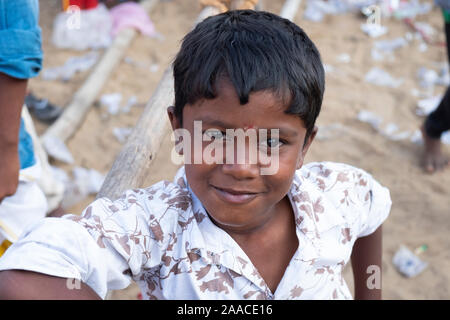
x: 83, y: 29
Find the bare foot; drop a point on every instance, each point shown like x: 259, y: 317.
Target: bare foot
x: 433, y: 159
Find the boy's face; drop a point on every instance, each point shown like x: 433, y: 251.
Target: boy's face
x: 235, y: 194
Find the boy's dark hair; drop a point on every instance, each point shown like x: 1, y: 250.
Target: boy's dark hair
x: 256, y: 51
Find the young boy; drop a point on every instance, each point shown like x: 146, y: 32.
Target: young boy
x: 224, y: 230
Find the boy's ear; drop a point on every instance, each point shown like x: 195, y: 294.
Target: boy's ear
x: 174, y: 121
x: 306, y: 146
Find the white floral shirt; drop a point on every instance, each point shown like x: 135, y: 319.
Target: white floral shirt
x: 162, y: 238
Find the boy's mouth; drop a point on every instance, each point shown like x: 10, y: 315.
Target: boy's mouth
x: 235, y: 196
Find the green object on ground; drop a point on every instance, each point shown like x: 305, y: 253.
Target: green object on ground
x: 446, y: 16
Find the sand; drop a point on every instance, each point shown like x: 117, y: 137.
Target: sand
x: 421, y: 202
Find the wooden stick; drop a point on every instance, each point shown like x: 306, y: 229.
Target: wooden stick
x: 130, y: 169
x: 289, y: 9
x: 71, y: 119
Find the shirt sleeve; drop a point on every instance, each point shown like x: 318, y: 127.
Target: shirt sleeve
x: 376, y: 203
x: 362, y: 202
x: 20, y: 38
x: 104, y: 248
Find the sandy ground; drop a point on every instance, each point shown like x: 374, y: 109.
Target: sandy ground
x: 421, y: 202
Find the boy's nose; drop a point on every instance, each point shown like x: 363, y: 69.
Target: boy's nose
x: 241, y: 171
x: 242, y: 162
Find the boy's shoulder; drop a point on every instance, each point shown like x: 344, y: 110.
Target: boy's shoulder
x: 348, y: 195
x: 328, y: 176
x: 333, y: 187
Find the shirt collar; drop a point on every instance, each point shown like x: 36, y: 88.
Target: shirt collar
x: 307, y: 203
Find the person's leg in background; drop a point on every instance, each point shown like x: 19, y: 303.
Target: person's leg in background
x: 437, y: 123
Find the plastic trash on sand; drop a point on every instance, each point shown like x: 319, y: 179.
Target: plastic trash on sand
x: 316, y: 10
x: 374, y: 30
x: 85, y: 182
x: 71, y: 67
x: 122, y: 134
x: 132, y: 15
x: 445, y: 138
x: 411, y: 8
x: 390, y: 45
x: 385, y: 48
x: 370, y: 118
x: 112, y: 102
x: 407, y: 263
x: 83, y: 29
x: 380, y: 77
x: 426, y: 106
x: 57, y: 149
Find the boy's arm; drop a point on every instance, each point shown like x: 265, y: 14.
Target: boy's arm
x: 12, y: 94
x: 27, y: 285
x: 366, y: 264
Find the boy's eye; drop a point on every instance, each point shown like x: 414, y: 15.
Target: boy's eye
x: 214, y: 134
x: 272, y: 143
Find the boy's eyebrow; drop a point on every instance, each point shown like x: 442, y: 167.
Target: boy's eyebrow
x: 283, y: 131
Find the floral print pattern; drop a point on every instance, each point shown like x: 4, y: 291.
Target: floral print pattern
x: 162, y: 238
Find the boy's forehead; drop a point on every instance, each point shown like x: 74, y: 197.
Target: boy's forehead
x: 264, y: 110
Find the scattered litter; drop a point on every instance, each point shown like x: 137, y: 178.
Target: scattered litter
x: 409, y: 36
x: 370, y: 118
x: 130, y: 103
x: 329, y: 131
x: 344, y: 58
x: 410, y: 9
x: 407, y: 263
x: 423, y: 47
x: 56, y: 148
x: 374, y: 30
x: 83, y: 29
x: 122, y: 133
x: 90, y: 179
x: 328, y: 68
x: 385, y: 48
x: 154, y: 67
x: 445, y: 138
x: 426, y: 106
x: 380, y: 77
x: 425, y: 29
x: 380, y: 56
x: 132, y: 15
x: 389, y: 46
x: 112, y: 102
x: 316, y: 10
x: 71, y: 67
x: 390, y: 131
x: 427, y: 77
x: 84, y: 183
x: 60, y: 175
x: 421, y: 249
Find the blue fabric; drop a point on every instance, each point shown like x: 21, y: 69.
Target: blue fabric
x: 20, y: 38
x: 21, y: 55
x: 26, y: 150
